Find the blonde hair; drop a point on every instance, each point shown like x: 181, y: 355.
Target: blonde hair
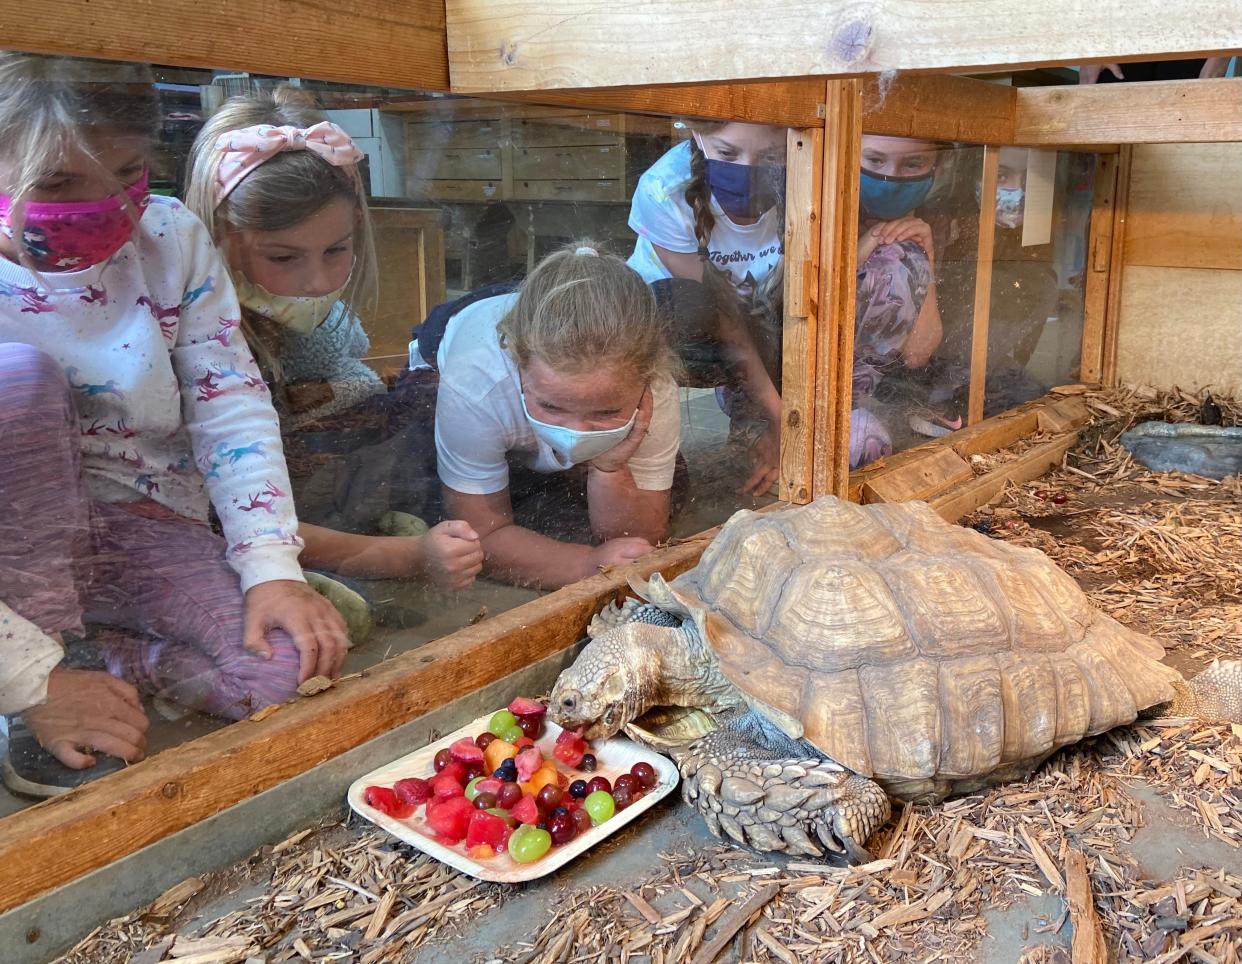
x: 50, y: 105
x: 280, y: 193
x: 580, y: 308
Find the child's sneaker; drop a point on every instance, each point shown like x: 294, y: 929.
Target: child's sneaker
x: 31, y: 771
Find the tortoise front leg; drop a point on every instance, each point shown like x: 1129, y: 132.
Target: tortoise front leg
x: 797, y: 805
x: 1214, y: 695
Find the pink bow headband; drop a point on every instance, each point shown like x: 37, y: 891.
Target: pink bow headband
x: 250, y: 147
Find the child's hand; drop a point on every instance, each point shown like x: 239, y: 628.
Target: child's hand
x: 621, y: 453
x: 317, y: 629
x: 894, y: 232
x: 764, y: 456
x: 616, y: 552
x: 92, y: 711
x: 450, y: 555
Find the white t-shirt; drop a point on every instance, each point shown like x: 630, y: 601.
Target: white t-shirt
x: 659, y: 215
x: 479, y: 416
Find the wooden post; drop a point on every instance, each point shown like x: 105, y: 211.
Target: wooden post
x: 834, y: 356
x: 983, y: 286
x: 1098, y: 268
x: 804, y: 176
x: 1116, y: 261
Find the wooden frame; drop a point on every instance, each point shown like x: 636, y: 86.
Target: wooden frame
x: 1112, y: 310
x: 1099, y: 260
x: 531, y: 45
x: 982, y: 313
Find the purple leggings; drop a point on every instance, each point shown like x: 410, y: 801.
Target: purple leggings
x: 159, y: 581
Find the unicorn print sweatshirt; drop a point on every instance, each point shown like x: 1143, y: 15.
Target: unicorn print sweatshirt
x: 171, y: 406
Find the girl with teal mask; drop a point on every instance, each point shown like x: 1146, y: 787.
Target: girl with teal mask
x: 279, y: 189
x: 897, y: 323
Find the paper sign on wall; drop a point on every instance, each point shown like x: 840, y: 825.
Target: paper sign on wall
x: 1041, y: 174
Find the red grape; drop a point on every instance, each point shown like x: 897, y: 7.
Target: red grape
x: 532, y: 726
x: 582, y: 820
x: 588, y: 762
x: 599, y: 783
x: 483, y: 739
x: 622, y: 794
x: 443, y: 758
x: 628, y: 781
x: 509, y: 795
x: 646, y: 774
x: 549, y: 797
x: 484, y: 800
x: 562, y: 828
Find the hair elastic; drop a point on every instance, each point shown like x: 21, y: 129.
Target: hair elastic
x: 586, y: 250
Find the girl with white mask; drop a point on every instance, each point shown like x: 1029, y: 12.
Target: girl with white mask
x: 278, y: 188
x: 572, y: 369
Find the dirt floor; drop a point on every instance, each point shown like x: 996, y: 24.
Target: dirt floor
x: 1133, y: 836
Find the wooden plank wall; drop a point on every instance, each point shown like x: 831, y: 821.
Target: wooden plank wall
x: 529, y: 45
x: 1180, y: 310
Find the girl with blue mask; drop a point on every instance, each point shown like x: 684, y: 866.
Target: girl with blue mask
x: 572, y: 372
x: 897, y: 324
x: 710, y: 215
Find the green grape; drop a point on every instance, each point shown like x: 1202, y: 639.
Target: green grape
x: 512, y: 734
x: 528, y: 844
x: 502, y: 814
x: 472, y: 788
x: 501, y: 721
x: 600, y: 806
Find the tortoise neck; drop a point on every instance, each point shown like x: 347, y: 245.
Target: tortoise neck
x: 688, y: 674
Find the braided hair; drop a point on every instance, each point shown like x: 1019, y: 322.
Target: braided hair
x: 699, y: 195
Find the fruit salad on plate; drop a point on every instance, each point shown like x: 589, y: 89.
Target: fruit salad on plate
x: 499, y: 793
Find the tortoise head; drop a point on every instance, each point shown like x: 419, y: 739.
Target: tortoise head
x: 613, y: 681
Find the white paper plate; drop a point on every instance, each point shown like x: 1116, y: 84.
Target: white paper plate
x: 614, y: 757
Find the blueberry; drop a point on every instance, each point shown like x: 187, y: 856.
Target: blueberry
x: 578, y: 789
x: 983, y: 525
x: 558, y: 811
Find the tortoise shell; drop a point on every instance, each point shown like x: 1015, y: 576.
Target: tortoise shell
x: 920, y: 653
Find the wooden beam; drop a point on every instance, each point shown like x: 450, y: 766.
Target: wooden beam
x: 1112, y: 308
x: 1192, y: 111
x: 939, y: 107
x: 803, y: 182
x: 1030, y: 465
x: 1185, y: 206
x: 979, y: 318
x: 933, y: 472
x: 1098, y: 267
x: 364, y: 42
x: 794, y: 103
x: 834, y: 353
x: 63, y: 838
x: 527, y: 45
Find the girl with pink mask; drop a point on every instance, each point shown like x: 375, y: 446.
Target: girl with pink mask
x: 130, y: 408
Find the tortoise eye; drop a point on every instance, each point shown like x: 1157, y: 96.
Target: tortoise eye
x: 568, y: 702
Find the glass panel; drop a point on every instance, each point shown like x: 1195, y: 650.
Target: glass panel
x: 915, y: 292
x: 567, y: 414
x: 1043, y: 214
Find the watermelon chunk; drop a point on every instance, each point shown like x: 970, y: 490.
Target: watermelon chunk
x: 412, y: 790
x: 528, y: 761
x: 385, y: 801
x: 450, y: 817
x: 525, y: 810
x: 487, y: 828
x: 446, y: 785
x: 465, y: 751
x: 521, y: 706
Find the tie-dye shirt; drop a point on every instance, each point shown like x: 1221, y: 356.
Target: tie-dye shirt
x: 171, y: 405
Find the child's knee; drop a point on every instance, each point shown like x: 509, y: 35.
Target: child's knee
x: 33, y: 385
x: 263, y: 682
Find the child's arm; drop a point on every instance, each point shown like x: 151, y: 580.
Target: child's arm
x: 27, y: 656
x: 236, y: 440
x: 449, y: 556
x: 522, y: 556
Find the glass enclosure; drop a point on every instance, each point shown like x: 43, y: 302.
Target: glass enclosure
x: 915, y: 319
x: 444, y: 333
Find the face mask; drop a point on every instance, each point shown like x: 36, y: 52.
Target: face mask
x: 69, y: 235
x: 886, y: 196
x: 300, y: 314
x: 576, y: 446
x: 1009, y: 206
x: 745, y: 190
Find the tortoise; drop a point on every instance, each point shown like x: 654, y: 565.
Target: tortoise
x: 821, y: 659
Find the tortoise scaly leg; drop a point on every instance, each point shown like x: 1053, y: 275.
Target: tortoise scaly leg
x: 1215, y: 694
x: 773, y: 802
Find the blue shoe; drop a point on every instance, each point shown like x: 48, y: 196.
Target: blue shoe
x: 31, y: 771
